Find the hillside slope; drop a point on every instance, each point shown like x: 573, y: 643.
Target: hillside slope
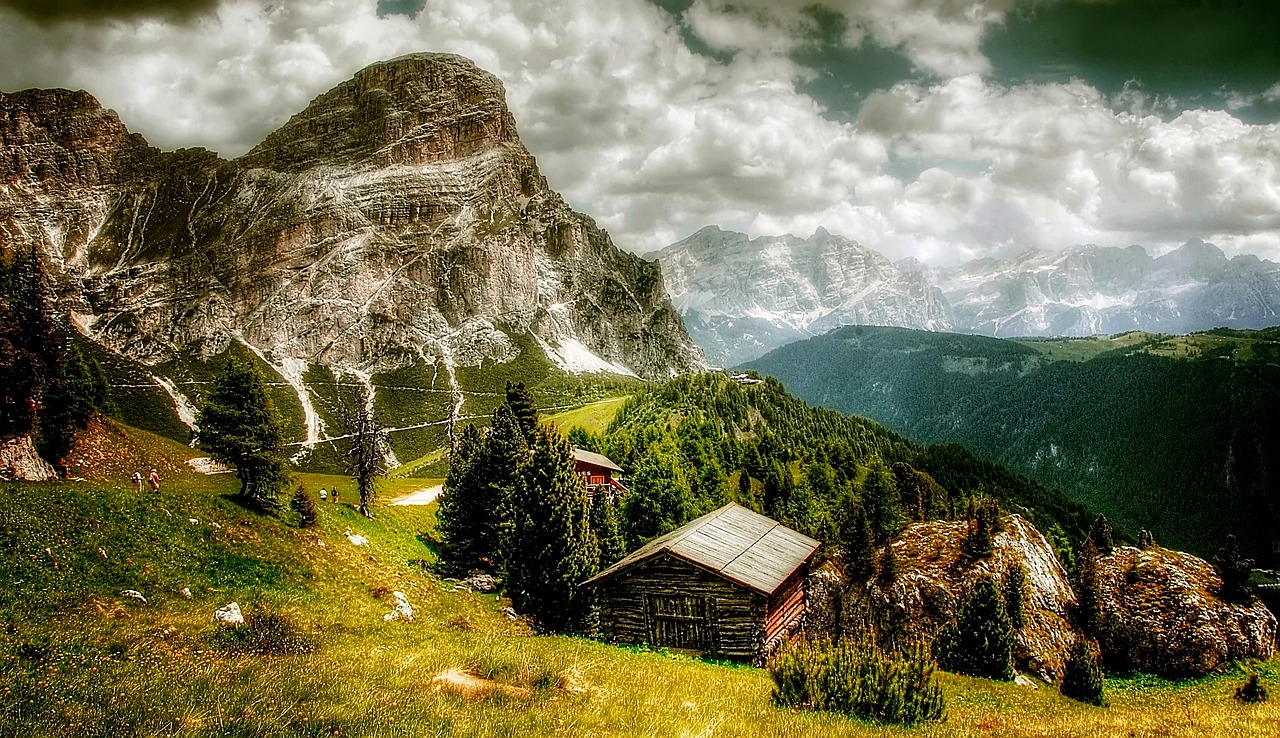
x: 1172, y: 434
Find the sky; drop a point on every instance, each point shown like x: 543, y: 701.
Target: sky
x: 940, y: 129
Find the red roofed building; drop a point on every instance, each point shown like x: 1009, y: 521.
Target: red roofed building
x: 597, y: 470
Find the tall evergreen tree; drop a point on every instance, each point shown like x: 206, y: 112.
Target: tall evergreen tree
x: 367, y: 458
x: 980, y: 642
x: 660, y: 499
x: 859, y: 545
x: 1014, y: 587
x: 75, y: 390
x: 1088, y: 614
x: 1235, y: 571
x: 504, y: 454
x: 238, y: 426
x: 1083, y: 678
x: 29, y: 341
x: 522, y: 404
x: 553, y: 548
x: 460, y: 546
x: 1102, y: 534
x: 880, y: 500
x: 606, y: 523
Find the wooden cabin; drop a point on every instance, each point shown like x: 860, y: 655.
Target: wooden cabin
x: 597, y: 470
x: 729, y: 584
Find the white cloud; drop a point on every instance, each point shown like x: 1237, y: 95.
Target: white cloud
x: 655, y: 141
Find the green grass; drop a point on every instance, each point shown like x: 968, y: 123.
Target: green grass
x: 78, y: 658
x: 593, y: 418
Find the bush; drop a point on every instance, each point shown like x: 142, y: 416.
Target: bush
x: 980, y: 642
x: 265, y: 633
x: 1252, y: 691
x: 860, y: 680
x: 1083, y: 678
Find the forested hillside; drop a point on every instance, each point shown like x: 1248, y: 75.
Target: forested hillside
x: 698, y: 441
x: 1172, y: 434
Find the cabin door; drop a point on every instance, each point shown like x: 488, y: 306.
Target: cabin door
x: 679, y: 621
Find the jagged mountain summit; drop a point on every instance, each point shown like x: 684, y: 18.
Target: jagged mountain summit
x: 398, y: 219
x: 743, y: 297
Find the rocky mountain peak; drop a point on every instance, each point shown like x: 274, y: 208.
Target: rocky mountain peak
x: 414, y: 110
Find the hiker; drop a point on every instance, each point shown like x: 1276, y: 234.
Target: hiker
x: 323, y: 495
x: 137, y: 481
x: 153, y: 479
x: 335, y: 495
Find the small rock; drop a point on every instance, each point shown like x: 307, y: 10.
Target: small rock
x: 356, y: 539
x: 219, y: 527
x: 134, y: 594
x: 229, y: 615
x: 185, y: 593
x: 321, y: 544
x: 510, y: 613
x: 1022, y: 680
x: 483, y: 583
x: 402, y: 612
x: 102, y: 552
x: 193, y: 521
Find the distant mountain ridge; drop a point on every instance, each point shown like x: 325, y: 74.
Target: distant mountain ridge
x: 742, y: 297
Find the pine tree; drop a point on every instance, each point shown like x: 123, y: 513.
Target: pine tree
x: 30, y: 342
x: 880, y: 500
x: 304, y: 507
x: 660, y: 499
x: 460, y: 546
x: 1014, y: 587
x: 522, y: 404
x: 1146, y: 541
x: 553, y: 548
x: 1088, y: 607
x: 504, y: 453
x: 980, y: 642
x: 367, y: 458
x: 606, y: 523
x: 238, y: 426
x: 75, y: 391
x: 859, y: 545
x: 1235, y: 571
x: 1101, y: 533
x: 984, y: 519
x: 1082, y: 680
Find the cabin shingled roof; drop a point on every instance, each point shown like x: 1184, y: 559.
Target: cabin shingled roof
x: 590, y: 457
x: 742, y: 546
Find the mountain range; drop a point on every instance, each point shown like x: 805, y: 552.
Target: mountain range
x: 742, y: 297
x: 395, y: 232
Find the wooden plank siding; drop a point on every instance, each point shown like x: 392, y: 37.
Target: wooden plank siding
x: 785, y: 612
x: 632, y: 609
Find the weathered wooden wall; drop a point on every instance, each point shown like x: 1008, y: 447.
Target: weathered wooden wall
x: 785, y: 609
x: 736, y: 615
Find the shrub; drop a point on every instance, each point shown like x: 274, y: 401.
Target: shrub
x: 265, y: 633
x: 980, y: 642
x: 304, y: 507
x: 1083, y: 678
x: 860, y: 680
x: 1252, y: 690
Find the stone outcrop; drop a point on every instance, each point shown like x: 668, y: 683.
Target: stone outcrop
x: 19, y: 460
x: 933, y: 577
x: 397, y: 218
x: 1159, y: 612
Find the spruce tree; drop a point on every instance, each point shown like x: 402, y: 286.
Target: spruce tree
x: 367, y: 458
x: 1088, y: 606
x: 504, y: 453
x: 980, y: 642
x: 75, y: 390
x: 606, y: 523
x: 859, y: 545
x: 522, y: 404
x: 460, y: 545
x: 660, y: 499
x: 880, y: 500
x: 304, y: 507
x: 1082, y: 680
x: 1014, y: 587
x: 1235, y: 571
x: 1101, y: 533
x: 238, y: 426
x: 553, y: 548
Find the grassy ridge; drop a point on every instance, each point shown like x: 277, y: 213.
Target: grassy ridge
x: 77, y: 657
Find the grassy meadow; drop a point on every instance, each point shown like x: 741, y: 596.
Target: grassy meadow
x: 77, y: 657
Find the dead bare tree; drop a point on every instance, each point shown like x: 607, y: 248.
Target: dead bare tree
x: 367, y: 459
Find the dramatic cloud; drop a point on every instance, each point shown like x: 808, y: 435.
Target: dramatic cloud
x: 655, y: 140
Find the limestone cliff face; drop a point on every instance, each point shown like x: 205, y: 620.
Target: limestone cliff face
x: 397, y: 217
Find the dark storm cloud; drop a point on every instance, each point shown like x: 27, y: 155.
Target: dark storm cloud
x: 66, y: 10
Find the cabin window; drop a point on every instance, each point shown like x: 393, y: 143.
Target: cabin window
x: 680, y: 621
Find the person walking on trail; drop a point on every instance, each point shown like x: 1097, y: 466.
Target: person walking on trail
x: 137, y: 481
x: 323, y: 494
x: 153, y: 479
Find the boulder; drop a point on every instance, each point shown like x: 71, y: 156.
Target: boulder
x: 19, y: 460
x: 133, y: 594
x: 933, y: 576
x: 229, y: 615
x: 403, y: 610
x: 480, y: 582
x: 1158, y: 611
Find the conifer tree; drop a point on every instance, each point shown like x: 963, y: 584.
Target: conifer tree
x: 75, y: 390
x: 606, y: 523
x: 460, y: 545
x: 1101, y: 533
x: 859, y: 545
x: 1082, y: 680
x: 504, y: 453
x: 1088, y: 612
x: 660, y: 499
x: 238, y: 426
x: 980, y: 642
x: 553, y: 548
x: 1146, y: 540
x: 304, y: 507
x: 367, y: 458
x: 522, y: 404
x: 1235, y: 571
x: 1014, y: 587
x: 880, y: 500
